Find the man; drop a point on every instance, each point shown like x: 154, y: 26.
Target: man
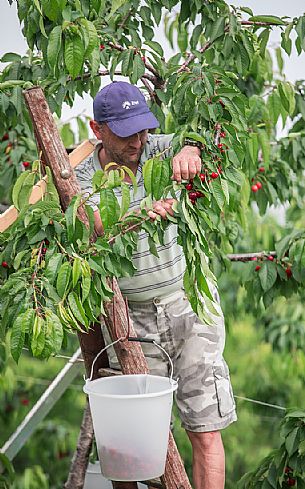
x: 157, y: 303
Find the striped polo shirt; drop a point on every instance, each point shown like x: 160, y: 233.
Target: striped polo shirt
x: 155, y: 277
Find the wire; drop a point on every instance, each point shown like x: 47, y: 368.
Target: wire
x: 248, y: 399
x: 275, y: 406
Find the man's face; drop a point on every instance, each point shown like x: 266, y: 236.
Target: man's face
x: 124, y: 151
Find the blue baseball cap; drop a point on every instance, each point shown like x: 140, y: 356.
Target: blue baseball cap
x: 124, y: 108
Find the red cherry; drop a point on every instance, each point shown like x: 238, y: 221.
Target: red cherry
x: 261, y: 169
x: 26, y: 164
x: 5, y: 137
x: 193, y: 195
x: 259, y: 185
x: 199, y: 194
x: 257, y: 268
x: 47, y: 241
x: 214, y: 175
x: 202, y: 176
x: 44, y: 250
x: 291, y: 482
x: 102, y: 46
x: 288, y: 272
x: 254, y: 188
x: 4, y: 264
x: 189, y: 186
x: 24, y: 401
x: 219, y: 145
x: 270, y: 258
x: 254, y: 258
x: 222, y: 134
x: 143, y: 58
x: 193, y: 201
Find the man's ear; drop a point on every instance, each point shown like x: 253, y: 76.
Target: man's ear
x: 96, y: 129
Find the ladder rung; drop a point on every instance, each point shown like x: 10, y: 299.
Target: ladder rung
x: 153, y: 483
x: 108, y: 372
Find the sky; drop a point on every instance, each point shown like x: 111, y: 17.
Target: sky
x: 12, y: 40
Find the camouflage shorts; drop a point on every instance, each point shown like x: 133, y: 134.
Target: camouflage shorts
x: 204, y: 396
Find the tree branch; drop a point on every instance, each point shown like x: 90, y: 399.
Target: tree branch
x: 105, y: 73
x: 249, y: 256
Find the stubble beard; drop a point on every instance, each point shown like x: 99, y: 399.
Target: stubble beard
x: 121, y: 158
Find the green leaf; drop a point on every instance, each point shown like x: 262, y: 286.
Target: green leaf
x: 234, y: 175
x: 63, y: 278
x: 217, y: 192
x: 17, y: 188
x: 52, y: 267
x: 93, y: 40
x: 125, y: 199
x: 115, y: 5
x: 126, y: 57
x: 267, y: 275
x: 38, y: 336
x: 265, y: 145
x: 292, y: 441
x: 37, y: 5
x: 17, y: 338
x: 77, y: 309
x: 10, y: 57
x: 147, y: 175
x: 182, y: 38
x: 76, y: 270
x: 274, y: 106
x: 225, y: 188
x: 218, y: 28
x: 54, y: 334
x: 54, y: 46
x: 74, y: 55
x: 132, y: 178
x: 287, y: 95
x: 253, y: 148
x: 67, y: 135
x: 53, y: 8
x: 109, y: 208
x: 156, y: 47
x: 138, y: 69
x: 267, y: 18
x: 264, y: 38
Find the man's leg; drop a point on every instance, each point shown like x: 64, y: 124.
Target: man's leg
x: 208, y: 460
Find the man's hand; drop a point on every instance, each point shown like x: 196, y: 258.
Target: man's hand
x: 162, y: 208
x: 186, y: 163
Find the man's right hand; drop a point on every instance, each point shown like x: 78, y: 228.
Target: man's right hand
x: 162, y: 208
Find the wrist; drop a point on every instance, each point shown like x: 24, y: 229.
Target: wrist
x: 194, y: 149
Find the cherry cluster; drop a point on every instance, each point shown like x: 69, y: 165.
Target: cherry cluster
x: 290, y: 480
x: 288, y: 270
x: 257, y: 185
x: 9, y: 147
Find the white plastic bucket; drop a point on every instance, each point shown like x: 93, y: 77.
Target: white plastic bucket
x: 131, y: 420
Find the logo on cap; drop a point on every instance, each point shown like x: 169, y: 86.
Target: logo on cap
x: 126, y: 105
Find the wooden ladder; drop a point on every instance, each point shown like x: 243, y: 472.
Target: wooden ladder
x: 130, y: 354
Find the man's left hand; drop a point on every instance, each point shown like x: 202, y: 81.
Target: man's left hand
x: 186, y: 164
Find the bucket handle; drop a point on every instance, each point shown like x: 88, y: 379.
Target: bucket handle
x: 132, y: 338
x: 149, y: 340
